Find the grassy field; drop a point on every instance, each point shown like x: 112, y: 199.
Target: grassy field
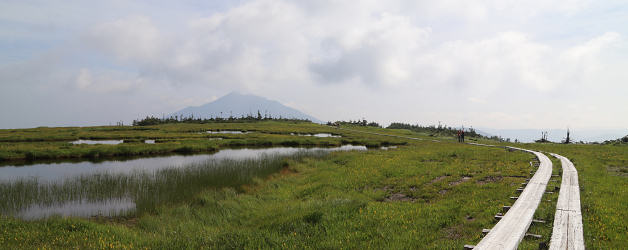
x: 424, y: 194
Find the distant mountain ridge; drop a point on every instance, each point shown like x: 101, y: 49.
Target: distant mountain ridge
x: 237, y: 105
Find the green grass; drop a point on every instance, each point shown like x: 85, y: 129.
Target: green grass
x: 422, y: 195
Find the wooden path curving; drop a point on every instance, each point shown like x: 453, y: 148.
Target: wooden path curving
x: 510, y: 230
x: 567, y: 231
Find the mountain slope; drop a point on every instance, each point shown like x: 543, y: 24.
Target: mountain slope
x: 237, y: 105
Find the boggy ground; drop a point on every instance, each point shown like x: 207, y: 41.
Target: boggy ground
x: 54, y: 143
x: 422, y: 195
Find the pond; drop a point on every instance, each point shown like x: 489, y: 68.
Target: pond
x: 91, y: 142
x: 65, y: 170
x: 111, y: 188
x: 227, y: 132
x: 318, y: 135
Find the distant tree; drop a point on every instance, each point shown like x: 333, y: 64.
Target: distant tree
x: 543, y: 137
x: 373, y: 124
x: 440, y: 129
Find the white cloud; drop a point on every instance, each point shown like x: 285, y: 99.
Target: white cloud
x: 84, y: 79
x: 134, y: 39
x: 108, y: 81
x: 426, y: 60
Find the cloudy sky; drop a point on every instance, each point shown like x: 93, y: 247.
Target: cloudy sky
x: 496, y: 63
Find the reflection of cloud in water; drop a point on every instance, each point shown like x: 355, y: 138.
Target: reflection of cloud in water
x: 58, y: 171
x: 227, y: 132
x: 92, y: 142
x: 80, y: 208
x: 47, y: 204
x: 318, y: 135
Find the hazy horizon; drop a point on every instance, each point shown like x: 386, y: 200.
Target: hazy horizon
x: 506, y: 65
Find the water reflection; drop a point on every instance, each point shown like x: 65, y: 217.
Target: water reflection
x: 79, y: 208
x: 92, y: 142
x: 120, y: 187
x: 318, y: 135
x: 227, y: 132
x: 63, y: 170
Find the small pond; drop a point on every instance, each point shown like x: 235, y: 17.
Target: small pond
x: 120, y: 187
x: 91, y: 142
x: 318, y: 135
x: 227, y: 132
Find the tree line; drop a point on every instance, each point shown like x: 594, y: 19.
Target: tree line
x: 362, y: 122
x: 441, y: 130
x: 151, y: 120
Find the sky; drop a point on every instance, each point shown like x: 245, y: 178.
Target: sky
x: 504, y: 64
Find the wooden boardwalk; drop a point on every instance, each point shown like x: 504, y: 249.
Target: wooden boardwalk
x: 567, y: 231
x: 510, y: 230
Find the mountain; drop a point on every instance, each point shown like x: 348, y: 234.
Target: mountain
x: 237, y: 105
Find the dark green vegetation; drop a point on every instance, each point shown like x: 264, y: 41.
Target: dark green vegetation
x: 422, y: 195
x: 623, y: 140
x: 151, y: 120
x: 440, y: 130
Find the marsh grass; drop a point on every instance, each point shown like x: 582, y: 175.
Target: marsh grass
x: 53, y: 143
x: 146, y: 189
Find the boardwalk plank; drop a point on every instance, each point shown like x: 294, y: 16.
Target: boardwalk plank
x: 567, y: 232
x: 510, y: 230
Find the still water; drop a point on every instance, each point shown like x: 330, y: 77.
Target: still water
x: 227, y: 132
x: 91, y: 142
x: 76, y: 188
x: 318, y: 135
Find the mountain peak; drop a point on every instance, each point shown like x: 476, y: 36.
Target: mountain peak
x: 237, y: 104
